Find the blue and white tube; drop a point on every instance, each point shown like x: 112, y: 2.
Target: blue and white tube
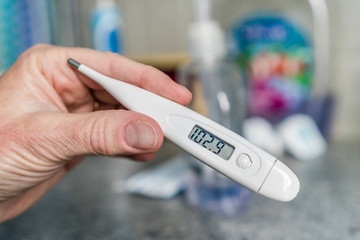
x: 106, y: 27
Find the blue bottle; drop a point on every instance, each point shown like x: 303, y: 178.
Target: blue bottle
x: 106, y: 27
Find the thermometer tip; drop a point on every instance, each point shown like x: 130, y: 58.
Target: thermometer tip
x: 73, y: 63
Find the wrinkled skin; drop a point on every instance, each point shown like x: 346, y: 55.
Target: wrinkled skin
x: 47, y: 122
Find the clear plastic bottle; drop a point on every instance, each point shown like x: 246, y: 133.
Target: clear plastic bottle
x: 217, y: 91
x: 218, y: 94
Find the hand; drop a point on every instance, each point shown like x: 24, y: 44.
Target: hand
x: 47, y: 120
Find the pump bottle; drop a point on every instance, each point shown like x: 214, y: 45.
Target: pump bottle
x: 217, y: 93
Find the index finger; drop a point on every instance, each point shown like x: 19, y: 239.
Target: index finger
x: 119, y: 67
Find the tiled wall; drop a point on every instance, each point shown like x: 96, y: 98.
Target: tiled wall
x: 160, y: 26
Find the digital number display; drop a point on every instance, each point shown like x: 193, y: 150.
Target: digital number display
x: 211, y: 142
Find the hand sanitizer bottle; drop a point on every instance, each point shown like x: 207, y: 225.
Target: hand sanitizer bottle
x: 217, y: 93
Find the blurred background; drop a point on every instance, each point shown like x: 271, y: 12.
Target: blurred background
x: 283, y: 73
x: 158, y: 29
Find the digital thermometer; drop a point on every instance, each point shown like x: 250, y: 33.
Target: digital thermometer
x: 208, y: 141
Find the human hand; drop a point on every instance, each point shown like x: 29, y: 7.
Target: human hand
x: 47, y: 122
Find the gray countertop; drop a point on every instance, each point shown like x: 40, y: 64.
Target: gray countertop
x: 85, y: 205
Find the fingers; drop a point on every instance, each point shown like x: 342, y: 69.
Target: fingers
x: 105, y: 97
x: 113, y: 132
x: 138, y: 74
x: 53, y: 63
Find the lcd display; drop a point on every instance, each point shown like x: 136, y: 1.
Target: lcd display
x: 211, y: 142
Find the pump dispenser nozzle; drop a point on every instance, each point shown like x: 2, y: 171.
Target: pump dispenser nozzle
x: 202, y: 10
x: 207, y: 41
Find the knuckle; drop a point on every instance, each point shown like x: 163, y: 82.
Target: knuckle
x: 34, y: 50
x: 96, y: 137
x: 103, y: 138
x: 31, y: 57
x: 144, y: 74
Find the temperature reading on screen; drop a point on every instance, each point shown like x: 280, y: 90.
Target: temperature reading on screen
x: 211, y: 142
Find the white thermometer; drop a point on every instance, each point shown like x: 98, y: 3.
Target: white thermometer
x: 208, y: 141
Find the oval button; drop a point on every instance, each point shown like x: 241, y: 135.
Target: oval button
x: 243, y: 161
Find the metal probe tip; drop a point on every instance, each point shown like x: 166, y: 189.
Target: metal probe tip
x: 73, y: 63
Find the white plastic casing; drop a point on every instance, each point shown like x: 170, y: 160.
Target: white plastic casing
x: 266, y: 175
x: 280, y: 183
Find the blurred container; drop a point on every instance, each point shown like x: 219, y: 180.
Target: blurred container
x: 210, y: 191
x: 106, y: 27
x: 217, y: 93
x: 285, y: 64
x: 23, y: 23
x: 283, y: 51
x: 277, y: 61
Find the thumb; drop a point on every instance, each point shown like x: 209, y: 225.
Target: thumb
x: 111, y: 132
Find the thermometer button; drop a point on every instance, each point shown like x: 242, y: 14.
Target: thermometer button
x: 243, y: 161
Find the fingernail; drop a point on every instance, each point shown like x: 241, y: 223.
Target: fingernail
x: 140, y: 135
